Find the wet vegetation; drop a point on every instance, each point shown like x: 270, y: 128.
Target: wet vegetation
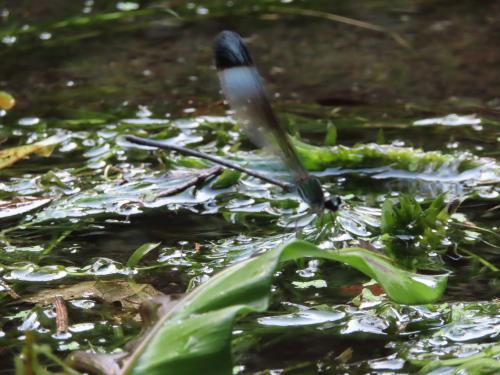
x: 118, y: 258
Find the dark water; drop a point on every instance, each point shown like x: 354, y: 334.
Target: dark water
x: 88, y: 79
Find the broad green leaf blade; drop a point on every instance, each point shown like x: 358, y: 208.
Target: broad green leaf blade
x: 246, y: 283
x: 400, y: 285
x: 200, y: 344
x: 195, y: 337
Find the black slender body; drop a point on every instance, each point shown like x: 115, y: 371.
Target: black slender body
x: 198, y: 154
x: 243, y: 89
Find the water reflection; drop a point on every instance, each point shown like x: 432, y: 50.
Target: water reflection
x: 302, y: 318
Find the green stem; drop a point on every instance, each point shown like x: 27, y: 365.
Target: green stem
x: 480, y: 259
x: 54, y: 243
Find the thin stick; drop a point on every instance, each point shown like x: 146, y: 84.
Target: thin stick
x: 12, y: 293
x: 202, y: 176
x: 341, y: 19
x: 201, y: 155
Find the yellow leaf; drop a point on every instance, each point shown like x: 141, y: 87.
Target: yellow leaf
x: 6, y: 100
x: 12, y: 155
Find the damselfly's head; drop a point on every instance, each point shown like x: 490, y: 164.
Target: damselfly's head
x: 230, y: 51
x: 333, y: 203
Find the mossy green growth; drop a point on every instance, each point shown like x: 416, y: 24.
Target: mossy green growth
x: 374, y: 155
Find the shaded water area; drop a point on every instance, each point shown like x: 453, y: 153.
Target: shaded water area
x: 416, y: 74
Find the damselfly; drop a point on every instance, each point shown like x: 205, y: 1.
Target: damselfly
x: 245, y: 93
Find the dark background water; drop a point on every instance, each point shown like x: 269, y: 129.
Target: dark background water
x: 450, y: 59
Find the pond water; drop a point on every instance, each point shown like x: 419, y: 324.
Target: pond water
x: 413, y: 74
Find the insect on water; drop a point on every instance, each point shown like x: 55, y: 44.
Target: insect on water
x: 243, y: 89
x: 245, y: 93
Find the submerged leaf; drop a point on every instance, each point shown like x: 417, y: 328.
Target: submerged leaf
x: 129, y: 294
x: 130, y: 198
x: 21, y: 205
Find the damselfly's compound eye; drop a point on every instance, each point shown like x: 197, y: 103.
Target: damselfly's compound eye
x: 333, y: 204
x: 230, y: 51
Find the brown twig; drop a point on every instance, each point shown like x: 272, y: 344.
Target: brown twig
x: 200, y: 177
x: 12, y: 293
x: 62, y: 321
x: 342, y: 19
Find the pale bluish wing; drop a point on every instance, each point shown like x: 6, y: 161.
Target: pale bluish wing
x: 245, y: 94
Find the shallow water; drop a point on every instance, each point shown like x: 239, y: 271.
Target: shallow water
x: 90, y: 80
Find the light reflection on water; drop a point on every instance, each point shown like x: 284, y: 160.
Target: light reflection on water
x: 302, y: 318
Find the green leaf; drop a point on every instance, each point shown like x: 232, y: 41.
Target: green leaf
x: 228, y: 178
x: 140, y: 253
x: 331, y: 135
x: 195, y: 337
x: 380, y: 140
x: 388, y: 221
